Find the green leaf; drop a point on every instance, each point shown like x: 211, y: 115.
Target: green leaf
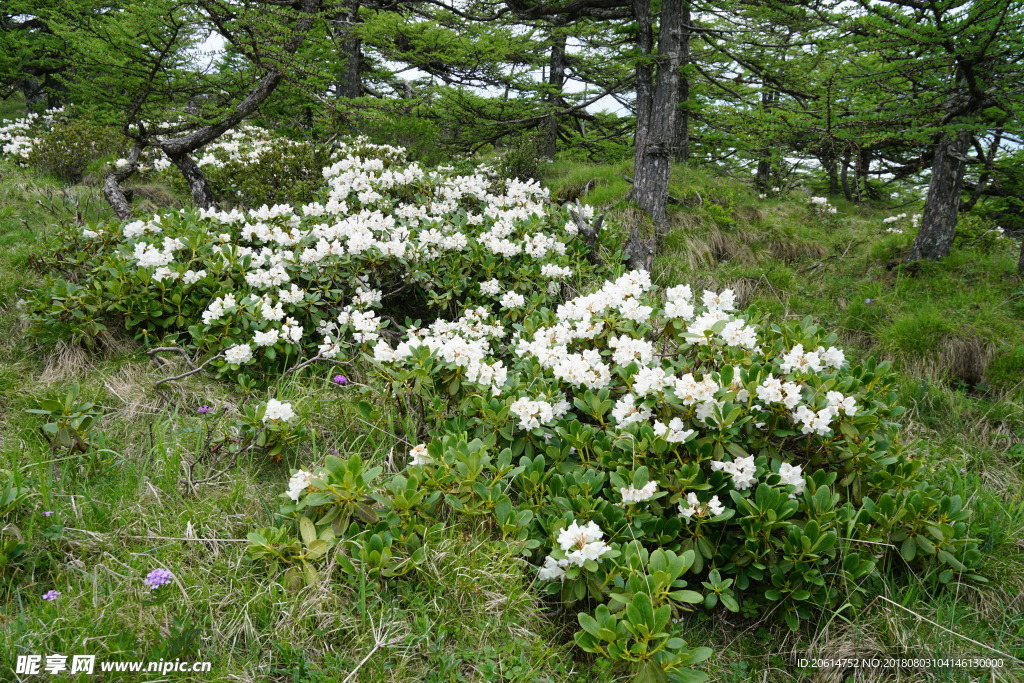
x: 307, y: 530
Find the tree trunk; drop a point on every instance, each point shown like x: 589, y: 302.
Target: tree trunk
x: 112, y: 185
x: 938, y: 224
x: 653, y: 154
x: 196, y: 180
x: 35, y: 95
x: 556, y: 81
x: 181, y: 146
x: 845, y: 177
x: 830, y: 163
x: 860, y: 177
x: 350, y: 82
x: 681, y: 143
x: 763, y: 179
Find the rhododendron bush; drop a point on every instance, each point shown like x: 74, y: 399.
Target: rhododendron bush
x: 652, y: 454
x: 261, y: 288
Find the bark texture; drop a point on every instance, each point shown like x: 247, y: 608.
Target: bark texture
x: 763, y: 180
x: 116, y: 197
x: 196, y: 180
x: 681, y: 144
x: 938, y: 224
x: 350, y: 82
x: 556, y: 81
x: 657, y: 101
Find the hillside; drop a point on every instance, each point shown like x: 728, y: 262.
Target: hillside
x: 470, y: 611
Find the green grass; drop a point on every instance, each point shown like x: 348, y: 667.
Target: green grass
x: 470, y: 612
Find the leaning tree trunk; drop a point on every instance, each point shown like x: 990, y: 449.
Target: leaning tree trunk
x: 194, y: 177
x: 653, y: 154
x: 179, y: 148
x: 112, y: 190
x: 938, y: 224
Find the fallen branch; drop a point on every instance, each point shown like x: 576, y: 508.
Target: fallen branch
x: 195, y: 368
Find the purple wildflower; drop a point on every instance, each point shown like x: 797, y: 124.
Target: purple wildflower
x: 334, y: 451
x: 51, y: 595
x: 202, y: 410
x: 867, y: 301
x: 340, y: 379
x: 157, y: 578
x: 47, y: 513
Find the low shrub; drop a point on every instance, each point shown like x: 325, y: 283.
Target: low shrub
x: 650, y: 457
x: 388, y: 243
x: 68, y: 148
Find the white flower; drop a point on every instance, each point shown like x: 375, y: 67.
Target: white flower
x: 190, y: 277
x: 532, y: 414
x: 833, y: 357
x: 673, y: 432
x: 692, y: 506
x: 278, y: 411
x: 238, y: 354
x: 551, y: 570
x: 814, y: 422
x: 512, y: 299
x: 742, y: 470
x: 299, y: 482
x: 582, y: 543
x: 491, y: 287
x: 715, y: 506
x: 722, y: 301
x: 626, y: 412
x: 629, y: 349
x: 799, y: 361
x: 792, y: 475
x: 840, y: 403
x: 419, y: 456
x: 576, y: 536
x: 634, y: 495
x: 268, y: 338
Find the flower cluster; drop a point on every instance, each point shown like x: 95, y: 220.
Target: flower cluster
x: 19, y: 136
x: 695, y: 508
x: 299, y: 482
x: 577, y: 544
x: 157, y: 578
x: 322, y: 278
x: 278, y: 411
x: 820, y: 206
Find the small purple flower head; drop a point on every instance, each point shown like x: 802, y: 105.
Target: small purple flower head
x: 340, y: 379
x: 867, y: 301
x: 51, y: 595
x: 157, y: 578
x: 334, y: 451
x: 47, y: 513
x: 203, y: 410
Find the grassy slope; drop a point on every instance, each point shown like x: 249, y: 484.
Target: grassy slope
x: 470, y: 614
